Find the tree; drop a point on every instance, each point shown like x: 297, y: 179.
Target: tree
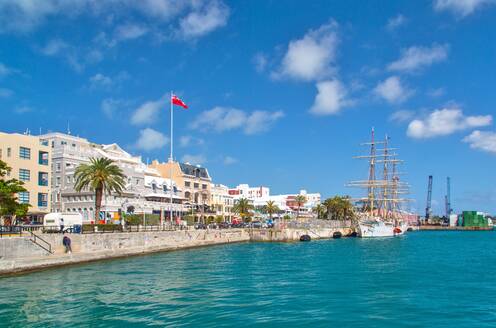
x: 320, y: 210
x: 300, y: 201
x: 271, y: 208
x: 101, y: 175
x: 9, y: 204
x: 243, y: 207
x: 339, y: 208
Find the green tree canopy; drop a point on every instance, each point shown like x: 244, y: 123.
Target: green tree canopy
x: 9, y: 188
x: 271, y: 208
x: 100, y: 175
x: 339, y: 208
x: 244, y: 208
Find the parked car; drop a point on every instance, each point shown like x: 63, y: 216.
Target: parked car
x: 201, y: 226
x: 256, y: 224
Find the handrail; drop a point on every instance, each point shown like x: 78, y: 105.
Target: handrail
x: 34, y: 238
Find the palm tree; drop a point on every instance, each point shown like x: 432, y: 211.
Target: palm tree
x: 271, y: 208
x: 339, y: 208
x: 101, y: 175
x: 300, y: 201
x: 320, y: 210
x: 243, y: 207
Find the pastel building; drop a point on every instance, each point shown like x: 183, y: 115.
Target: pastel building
x: 29, y: 158
x: 145, y: 191
x: 222, y: 202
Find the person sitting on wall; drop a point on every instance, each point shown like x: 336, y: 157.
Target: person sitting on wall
x: 66, y: 241
x: 62, y: 225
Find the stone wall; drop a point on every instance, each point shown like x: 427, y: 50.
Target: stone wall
x: 20, y: 254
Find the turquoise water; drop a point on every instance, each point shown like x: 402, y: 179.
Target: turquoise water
x: 423, y: 279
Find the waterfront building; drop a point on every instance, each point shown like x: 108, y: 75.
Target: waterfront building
x: 245, y: 191
x: 145, y: 190
x: 29, y: 158
x: 259, y: 196
x: 221, y: 202
x: 194, y: 182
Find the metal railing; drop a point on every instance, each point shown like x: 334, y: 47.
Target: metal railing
x: 37, y: 240
x: 10, y: 231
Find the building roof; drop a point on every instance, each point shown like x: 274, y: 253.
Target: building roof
x: 193, y: 170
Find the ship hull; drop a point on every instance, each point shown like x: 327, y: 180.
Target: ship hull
x: 379, y: 229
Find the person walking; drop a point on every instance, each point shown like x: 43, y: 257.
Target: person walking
x: 62, y: 225
x: 66, y: 241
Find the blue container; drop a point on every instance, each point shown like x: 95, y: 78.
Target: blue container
x: 77, y: 228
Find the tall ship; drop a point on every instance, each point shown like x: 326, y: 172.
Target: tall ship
x: 380, y: 212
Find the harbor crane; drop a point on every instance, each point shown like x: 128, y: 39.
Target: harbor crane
x: 428, y: 208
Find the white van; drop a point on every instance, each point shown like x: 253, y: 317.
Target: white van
x: 52, y: 221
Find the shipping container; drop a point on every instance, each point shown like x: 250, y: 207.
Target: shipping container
x: 474, y: 219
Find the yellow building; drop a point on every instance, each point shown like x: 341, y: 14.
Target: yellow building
x: 193, y: 180
x: 29, y: 157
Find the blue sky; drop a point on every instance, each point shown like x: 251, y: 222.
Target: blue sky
x: 280, y: 93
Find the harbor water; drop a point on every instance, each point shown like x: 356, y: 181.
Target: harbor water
x: 422, y: 279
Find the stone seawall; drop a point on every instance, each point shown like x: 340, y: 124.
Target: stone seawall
x: 289, y: 234
x: 20, y: 254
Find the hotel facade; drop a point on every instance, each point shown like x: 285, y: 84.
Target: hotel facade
x: 29, y: 158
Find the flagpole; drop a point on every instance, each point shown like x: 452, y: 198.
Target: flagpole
x: 171, y: 159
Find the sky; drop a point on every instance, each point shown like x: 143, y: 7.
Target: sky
x: 280, y: 93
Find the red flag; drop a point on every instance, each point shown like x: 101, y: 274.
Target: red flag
x: 176, y: 101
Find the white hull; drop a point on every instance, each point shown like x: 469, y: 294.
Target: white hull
x: 379, y: 228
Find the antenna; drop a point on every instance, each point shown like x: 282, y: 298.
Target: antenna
x: 68, y: 128
x: 428, y: 209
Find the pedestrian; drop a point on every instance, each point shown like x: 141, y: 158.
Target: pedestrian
x: 66, y: 241
x: 62, y: 225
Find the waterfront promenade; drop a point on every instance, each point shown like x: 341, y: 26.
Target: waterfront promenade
x: 20, y: 254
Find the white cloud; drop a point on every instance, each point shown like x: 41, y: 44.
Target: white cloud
x: 445, y: 121
x: 54, y: 47
x: 395, y: 22
x: 129, y: 32
x: 201, y: 21
x: 401, y: 116
x: 330, y: 99
x: 101, y: 81
x: 260, y: 61
x: 415, y: 58
x: 220, y: 119
x: 228, y: 160
x: 193, y: 159
x: 5, y: 93
x: 436, y: 92
x: 186, y: 141
x: 392, y: 90
x: 110, y: 105
x: 150, y: 139
x: 23, y: 109
x: 311, y: 57
x: 461, y: 8
x: 148, y: 112
x: 482, y: 140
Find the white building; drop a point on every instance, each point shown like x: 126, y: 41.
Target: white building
x: 286, y: 202
x: 221, y: 202
x: 145, y: 190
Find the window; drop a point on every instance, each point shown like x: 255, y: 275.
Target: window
x: 204, y: 186
x: 43, y: 158
x: 42, y: 179
x: 57, y: 181
x: 24, y: 197
x: 196, y: 185
x: 24, y: 175
x: 42, y: 200
x: 57, y: 167
x: 165, y: 188
x: 187, y: 183
x: 43, y: 142
x: 8, y: 152
x: 24, y: 153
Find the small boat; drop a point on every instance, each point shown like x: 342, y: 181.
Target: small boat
x: 305, y: 238
x: 337, y: 235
